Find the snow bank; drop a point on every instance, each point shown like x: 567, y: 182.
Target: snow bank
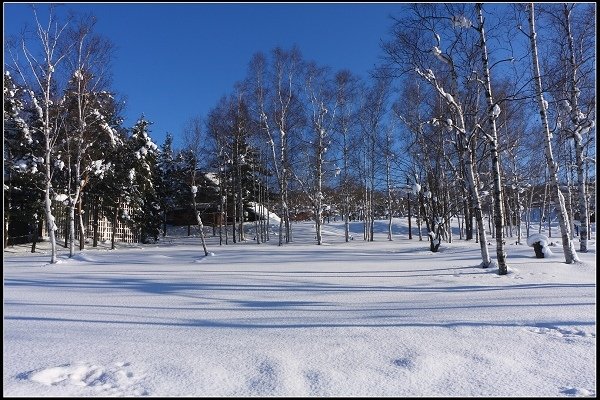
x: 261, y: 210
x: 360, y: 319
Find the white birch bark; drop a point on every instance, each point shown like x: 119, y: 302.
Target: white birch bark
x: 463, y: 144
x: 579, y: 124
x: 42, y: 73
x: 493, y: 141
x: 567, y: 243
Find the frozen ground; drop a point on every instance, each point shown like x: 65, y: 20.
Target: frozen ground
x: 342, y: 319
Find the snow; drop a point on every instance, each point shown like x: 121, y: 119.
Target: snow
x: 213, y: 177
x: 496, y: 110
x: 21, y: 165
x: 263, y: 211
x: 61, y: 197
x: 360, y: 319
x: 461, y: 21
x: 544, y: 242
x: 438, y: 53
x: 416, y: 188
x: 538, y: 237
x: 39, y: 110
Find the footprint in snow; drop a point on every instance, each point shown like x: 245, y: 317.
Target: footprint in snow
x: 404, y: 362
x: 560, y: 332
x: 265, y: 382
x: 316, y: 382
x: 112, y: 380
x: 572, y: 391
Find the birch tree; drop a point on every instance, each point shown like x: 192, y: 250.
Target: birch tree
x: 346, y: 98
x: 568, y: 246
x: 581, y: 121
x: 85, y: 120
x: 42, y: 58
x: 412, y: 52
x: 195, y: 141
x: 275, y: 104
x: 371, y: 122
x: 493, y: 112
x: 321, y: 104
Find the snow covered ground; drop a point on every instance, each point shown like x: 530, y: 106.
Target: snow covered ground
x: 343, y: 319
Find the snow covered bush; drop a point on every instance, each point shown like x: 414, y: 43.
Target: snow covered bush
x: 540, y: 244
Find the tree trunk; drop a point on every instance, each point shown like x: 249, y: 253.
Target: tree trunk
x: 201, y: 230
x: 95, y: 222
x: 282, y: 219
x: 518, y: 215
x: 543, y: 204
x: 37, y: 227
x: 81, y: 224
x: 568, y: 247
x: 198, y: 219
x: 6, y: 222
x: 493, y: 140
x: 235, y: 218
x: 409, y: 216
x: 579, y: 156
x: 71, y: 229
x: 114, y: 228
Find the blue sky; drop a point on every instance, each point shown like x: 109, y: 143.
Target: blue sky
x: 174, y: 61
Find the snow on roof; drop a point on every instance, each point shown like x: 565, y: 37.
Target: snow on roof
x: 213, y: 177
x: 262, y: 211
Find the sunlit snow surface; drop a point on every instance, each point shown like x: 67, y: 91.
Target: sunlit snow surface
x: 343, y: 319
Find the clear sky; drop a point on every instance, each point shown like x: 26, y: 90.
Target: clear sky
x: 175, y: 60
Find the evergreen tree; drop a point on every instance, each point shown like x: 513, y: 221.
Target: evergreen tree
x: 167, y: 180
x: 105, y: 177
x: 143, y: 174
x: 23, y: 180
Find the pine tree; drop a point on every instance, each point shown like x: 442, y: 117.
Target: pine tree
x: 23, y: 182
x: 104, y: 176
x: 167, y: 180
x: 143, y: 174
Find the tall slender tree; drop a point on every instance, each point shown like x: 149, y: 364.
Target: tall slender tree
x: 568, y: 247
x: 493, y: 111
x: 42, y: 58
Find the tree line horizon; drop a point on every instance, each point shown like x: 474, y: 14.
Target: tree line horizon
x: 470, y: 113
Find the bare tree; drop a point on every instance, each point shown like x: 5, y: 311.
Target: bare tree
x: 88, y: 70
x: 195, y: 143
x: 275, y: 105
x: 493, y: 112
x: 568, y: 247
x: 581, y: 122
x: 412, y: 52
x: 346, y: 97
x: 42, y: 58
x: 322, y: 106
x: 371, y: 120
